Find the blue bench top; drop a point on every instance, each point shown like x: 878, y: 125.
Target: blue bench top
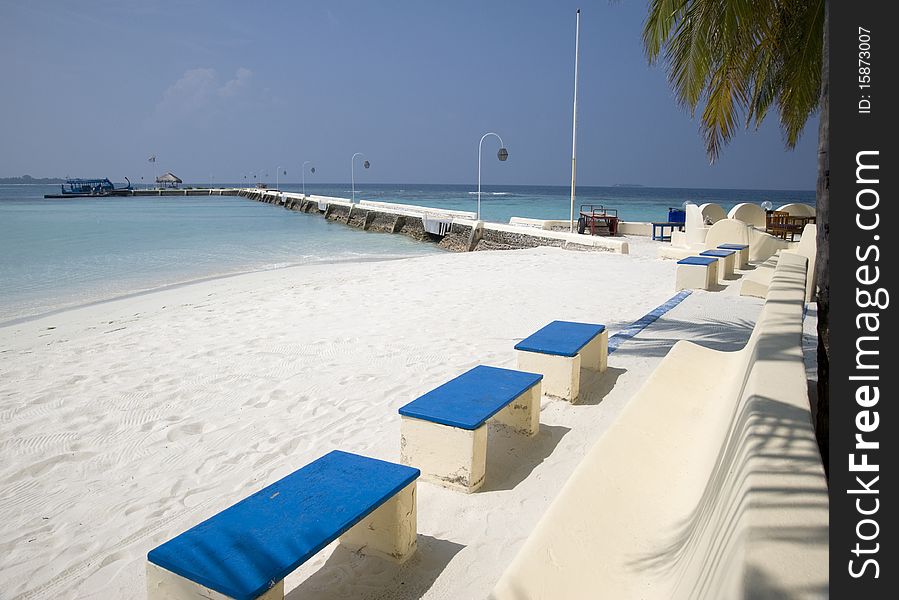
x: 471, y: 398
x: 561, y: 338
x: 697, y: 260
x: 719, y: 253
x: 733, y: 246
x: 247, y: 548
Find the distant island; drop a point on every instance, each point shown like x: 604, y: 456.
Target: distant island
x: 628, y: 185
x: 29, y: 179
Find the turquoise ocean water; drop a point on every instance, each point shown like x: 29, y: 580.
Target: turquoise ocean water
x: 56, y: 254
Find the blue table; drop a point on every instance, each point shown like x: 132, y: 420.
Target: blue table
x: 249, y: 547
x: 658, y: 230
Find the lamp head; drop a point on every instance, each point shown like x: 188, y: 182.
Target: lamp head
x: 312, y: 170
x: 502, y: 154
x: 366, y: 164
x: 766, y: 205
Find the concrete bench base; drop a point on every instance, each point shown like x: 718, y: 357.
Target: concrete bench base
x: 562, y: 374
x: 245, y: 551
x: 456, y: 458
x: 389, y: 532
x: 742, y: 256
x: 162, y: 584
x: 696, y: 277
x: 725, y: 266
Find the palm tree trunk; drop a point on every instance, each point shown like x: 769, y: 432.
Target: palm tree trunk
x: 822, y: 270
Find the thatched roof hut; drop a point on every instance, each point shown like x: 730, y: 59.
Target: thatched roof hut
x: 168, y: 180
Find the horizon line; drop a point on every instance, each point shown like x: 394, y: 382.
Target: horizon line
x: 559, y: 185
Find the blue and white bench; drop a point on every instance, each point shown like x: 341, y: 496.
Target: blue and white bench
x: 559, y: 350
x: 696, y: 272
x: 444, y: 432
x: 742, y: 253
x: 246, y: 550
x: 725, y: 262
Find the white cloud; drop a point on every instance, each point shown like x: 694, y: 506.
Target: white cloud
x: 240, y: 81
x: 200, y: 91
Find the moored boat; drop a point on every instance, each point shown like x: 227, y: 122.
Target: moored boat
x: 84, y: 188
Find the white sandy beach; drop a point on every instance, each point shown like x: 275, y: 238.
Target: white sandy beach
x: 123, y: 424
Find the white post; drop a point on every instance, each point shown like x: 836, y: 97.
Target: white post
x: 577, y: 34
x: 353, y: 173
x: 304, y: 177
x: 278, y: 179
x: 502, y: 145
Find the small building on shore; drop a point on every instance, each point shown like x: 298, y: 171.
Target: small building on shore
x: 169, y: 180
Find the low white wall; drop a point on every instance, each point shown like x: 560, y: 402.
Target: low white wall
x: 624, y: 227
x: 608, y: 243
x: 635, y: 228
x: 412, y: 208
x: 708, y: 485
x: 748, y: 213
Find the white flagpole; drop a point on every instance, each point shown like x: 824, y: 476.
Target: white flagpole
x: 577, y: 34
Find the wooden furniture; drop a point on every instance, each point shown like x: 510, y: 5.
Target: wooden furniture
x: 782, y: 224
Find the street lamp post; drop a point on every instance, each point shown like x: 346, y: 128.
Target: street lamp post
x: 502, y: 155
x: 304, y: 175
x: 365, y: 164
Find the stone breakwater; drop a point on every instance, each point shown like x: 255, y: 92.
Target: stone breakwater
x: 457, y: 231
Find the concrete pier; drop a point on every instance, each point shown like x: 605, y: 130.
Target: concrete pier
x: 187, y: 192
x: 454, y: 230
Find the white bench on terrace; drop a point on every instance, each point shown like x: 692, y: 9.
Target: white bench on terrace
x: 708, y: 485
x: 444, y: 432
x: 742, y: 256
x: 559, y: 350
x: 726, y: 260
x: 696, y: 273
x: 245, y: 551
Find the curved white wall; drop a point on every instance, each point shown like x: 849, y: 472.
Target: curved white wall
x: 751, y: 214
x: 712, y: 211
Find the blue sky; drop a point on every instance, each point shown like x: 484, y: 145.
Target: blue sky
x: 225, y: 89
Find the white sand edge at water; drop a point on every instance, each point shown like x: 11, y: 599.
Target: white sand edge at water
x: 123, y: 424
